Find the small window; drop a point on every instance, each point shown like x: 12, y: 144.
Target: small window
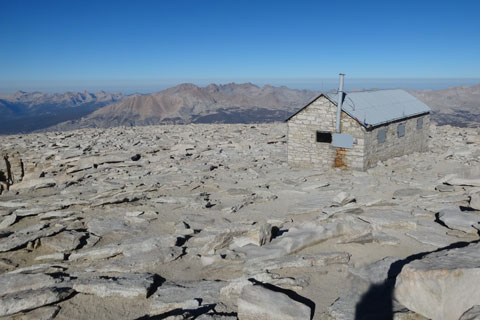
x: 419, y: 123
x: 381, y: 135
x: 401, y: 130
x: 323, y: 136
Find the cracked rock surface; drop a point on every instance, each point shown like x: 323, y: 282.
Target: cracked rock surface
x: 209, y: 222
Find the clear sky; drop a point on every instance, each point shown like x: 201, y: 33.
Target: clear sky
x: 132, y: 45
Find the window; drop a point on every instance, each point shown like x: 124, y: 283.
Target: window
x: 381, y: 135
x: 401, y: 130
x: 419, y: 123
x: 323, y: 136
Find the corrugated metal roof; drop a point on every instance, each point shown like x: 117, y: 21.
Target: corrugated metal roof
x: 373, y: 108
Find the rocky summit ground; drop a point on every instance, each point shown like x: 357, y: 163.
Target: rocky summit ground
x: 209, y: 222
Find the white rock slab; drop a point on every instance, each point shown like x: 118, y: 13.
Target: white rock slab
x: 45, y: 313
x: 298, y: 261
x: 64, y: 241
x: 129, y: 285
x: 34, y: 183
x: 8, y: 221
x: 460, y: 220
x: 303, y: 236
x: 20, y: 238
x: 342, y: 198
x: 257, y: 302
x: 475, y: 201
x: 442, y: 285
x: 184, y: 295
x: 31, y: 299
x: 471, y: 314
x: 12, y: 283
x: 456, y: 181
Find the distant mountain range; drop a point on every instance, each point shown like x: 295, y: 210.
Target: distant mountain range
x: 457, y: 106
x: 188, y: 103
x: 30, y: 111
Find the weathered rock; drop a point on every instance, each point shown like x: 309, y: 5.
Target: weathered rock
x: 298, y: 261
x: 459, y: 220
x: 128, y: 285
x: 388, y: 219
x: 64, y: 241
x: 257, y: 302
x: 35, y: 184
x: 8, y: 221
x: 22, y: 237
x: 11, y: 167
x: 127, y: 247
x: 7, y: 264
x: 471, y: 314
x: 49, y: 268
x: 445, y: 188
x: 303, y: 236
x: 101, y: 226
x: 376, y: 272
x: 184, y: 295
x: 369, y: 293
x: 138, y: 262
x: 51, y: 257
x: 234, y: 288
x: 475, y: 201
x: 431, y: 236
x: 442, y: 285
x: 31, y: 299
x: 45, y: 313
x: 16, y: 282
x: 95, y: 161
x: 408, y: 192
x: 26, y: 212
x: 342, y: 198
x: 456, y: 181
x: 13, y: 204
x: 213, y: 240
x: 57, y: 214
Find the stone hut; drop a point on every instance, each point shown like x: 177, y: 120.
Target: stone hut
x: 383, y: 124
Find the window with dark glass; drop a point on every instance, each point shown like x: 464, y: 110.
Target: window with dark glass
x: 401, y: 130
x: 323, y: 136
x: 381, y: 135
x: 419, y: 123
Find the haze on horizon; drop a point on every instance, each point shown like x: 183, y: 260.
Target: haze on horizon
x: 55, y: 46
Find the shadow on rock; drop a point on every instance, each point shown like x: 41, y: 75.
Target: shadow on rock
x: 378, y: 301
x: 189, y: 314
x: 290, y: 293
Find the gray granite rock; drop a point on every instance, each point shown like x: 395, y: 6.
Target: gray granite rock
x: 8, y: 221
x: 126, y: 285
x: 32, y: 299
x: 460, y: 220
x: 184, y: 295
x: 475, y: 201
x: 64, y: 241
x: 257, y: 302
x: 21, y: 238
x: 45, y: 313
x: 471, y: 314
x: 342, y: 198
x: 442, y: 285
x: 12, y: 283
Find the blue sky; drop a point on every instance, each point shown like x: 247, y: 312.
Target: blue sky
x: 144, y: 45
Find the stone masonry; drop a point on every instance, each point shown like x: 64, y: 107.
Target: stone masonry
x: 320, y: 115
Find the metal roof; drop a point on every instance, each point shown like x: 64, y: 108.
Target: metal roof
x: 373, y: 108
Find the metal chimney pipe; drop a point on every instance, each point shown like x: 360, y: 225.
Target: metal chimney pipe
x: 340, y: 101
